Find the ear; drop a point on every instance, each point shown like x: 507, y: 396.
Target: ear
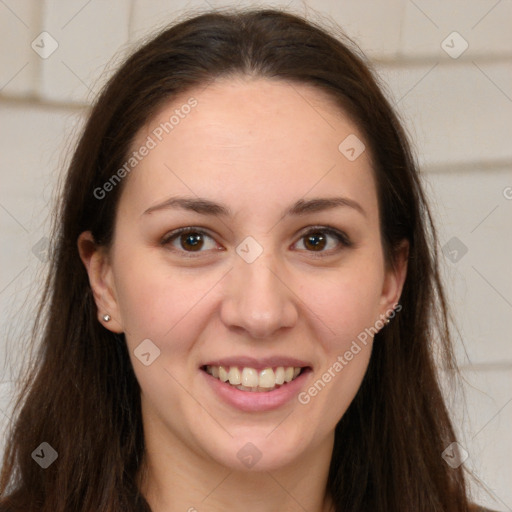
x: 97, y: 263
x: 394, y: 280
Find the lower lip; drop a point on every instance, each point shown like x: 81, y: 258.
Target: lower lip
x: 255, y: 401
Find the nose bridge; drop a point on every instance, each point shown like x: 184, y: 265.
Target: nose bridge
x: 256, y: 298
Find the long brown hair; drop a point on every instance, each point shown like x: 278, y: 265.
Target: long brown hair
x: 82, y: 397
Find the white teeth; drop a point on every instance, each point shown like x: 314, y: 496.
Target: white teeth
x: 249, y: 379
x: 288, y: 374
x: 279, y: 373
x: 234, y: 376
x: 267, y: 378
x: 223, y: 374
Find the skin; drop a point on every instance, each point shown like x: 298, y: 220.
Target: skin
x: 257, y: 146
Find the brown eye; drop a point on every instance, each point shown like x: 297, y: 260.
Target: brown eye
x: 324, y: 240
x: 189, y: 240
x: 315, y: 241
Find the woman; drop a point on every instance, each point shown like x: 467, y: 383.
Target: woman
x: 244, y: 297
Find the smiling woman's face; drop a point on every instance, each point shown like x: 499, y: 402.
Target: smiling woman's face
x: 282, y: 266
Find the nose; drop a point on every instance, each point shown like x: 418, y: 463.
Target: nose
x: 258, y: 299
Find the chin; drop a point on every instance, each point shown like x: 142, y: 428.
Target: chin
x: 254, y: 449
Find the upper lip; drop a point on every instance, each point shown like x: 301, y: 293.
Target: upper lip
x: 257, y: 363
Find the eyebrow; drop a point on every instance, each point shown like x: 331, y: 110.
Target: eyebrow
x: 301, y: 207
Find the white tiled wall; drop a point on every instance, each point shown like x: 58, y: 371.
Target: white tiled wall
x: 484, y: 24
x: 457, y: 114
x: 457, y: 108
x: 19, y: 24
x: 89, y: 36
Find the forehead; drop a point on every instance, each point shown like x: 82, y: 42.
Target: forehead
x: 249, y: 139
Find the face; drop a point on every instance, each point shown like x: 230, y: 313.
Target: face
x: 247, y: 247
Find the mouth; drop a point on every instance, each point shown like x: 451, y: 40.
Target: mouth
x: 250, y: 379
x: 256, y: 385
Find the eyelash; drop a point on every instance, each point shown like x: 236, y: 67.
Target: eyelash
x: 340, y: 236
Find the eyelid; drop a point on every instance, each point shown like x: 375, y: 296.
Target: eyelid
x: 169, y: 237
x: 341, y: 236
x: 326, y: 228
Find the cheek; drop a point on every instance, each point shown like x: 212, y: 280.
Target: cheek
x: 349, y: 311
x: 159, y: 303
x: 344, y: 304
x: 346, y: 374
x: 171, y: 310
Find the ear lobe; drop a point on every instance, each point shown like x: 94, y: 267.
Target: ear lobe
x: 99, y: 270
x: 395, y: 277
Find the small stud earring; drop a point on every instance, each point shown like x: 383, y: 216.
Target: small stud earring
x: 106, y: 318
